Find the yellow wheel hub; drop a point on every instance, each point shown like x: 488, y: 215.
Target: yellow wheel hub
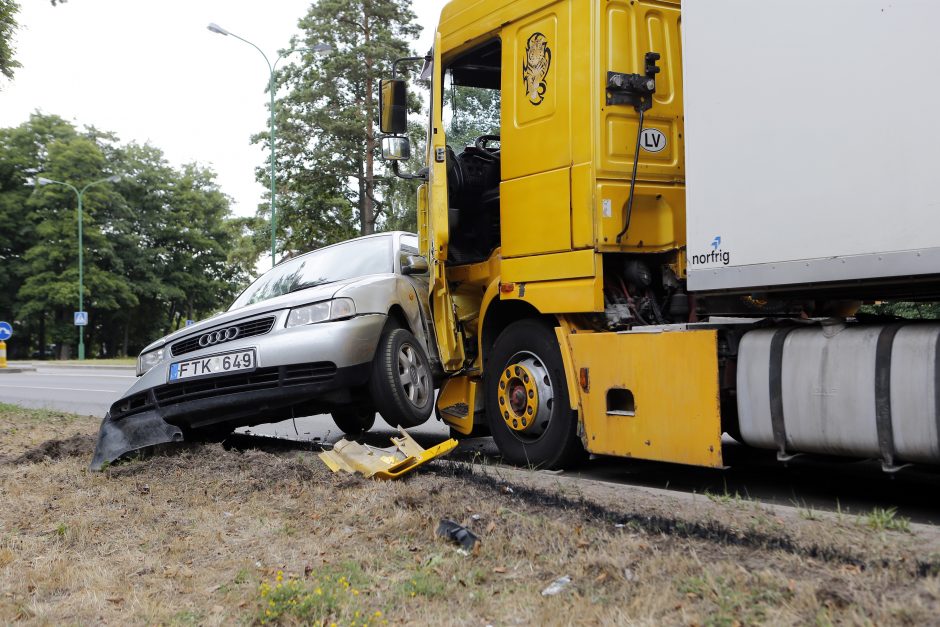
x: 518, y: 397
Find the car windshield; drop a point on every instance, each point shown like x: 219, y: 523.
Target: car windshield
x: 356, y: 258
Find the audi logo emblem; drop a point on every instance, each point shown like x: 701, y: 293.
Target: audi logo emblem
x: 217, y: 337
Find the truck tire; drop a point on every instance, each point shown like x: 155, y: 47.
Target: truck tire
x: 526, y: 397
x: 401, y: 385
x: 353, y: 421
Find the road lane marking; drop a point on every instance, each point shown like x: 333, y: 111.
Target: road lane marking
x: 112, y: 376
x: 34, y: 387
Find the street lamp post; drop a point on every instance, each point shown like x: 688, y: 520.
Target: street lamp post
x: 319, y: 49
x: 81, y: 266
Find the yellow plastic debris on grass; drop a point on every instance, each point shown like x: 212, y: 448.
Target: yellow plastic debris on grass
x: 383, y: 463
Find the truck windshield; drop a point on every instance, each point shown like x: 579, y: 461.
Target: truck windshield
x: 348, y: 260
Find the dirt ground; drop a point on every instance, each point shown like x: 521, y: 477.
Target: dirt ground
x: 205, y: 535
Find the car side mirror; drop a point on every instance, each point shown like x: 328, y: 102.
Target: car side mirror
x: 396, y: 148
x: 414, y: 264
x: 393, y: 106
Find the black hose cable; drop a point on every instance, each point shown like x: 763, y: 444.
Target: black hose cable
x: 657, y: 312
x: 636, y: 163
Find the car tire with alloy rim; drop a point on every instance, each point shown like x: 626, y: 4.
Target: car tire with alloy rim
x: 401, y: 385
x: 526, y: 397
x: 353, y: 421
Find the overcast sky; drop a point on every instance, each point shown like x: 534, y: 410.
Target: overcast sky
x: 150, y: 71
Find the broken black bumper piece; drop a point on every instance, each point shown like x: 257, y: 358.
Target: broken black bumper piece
x: 119, y: 437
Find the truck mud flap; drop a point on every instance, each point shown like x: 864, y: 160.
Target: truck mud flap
x: 383, y: 463
x: 118, y: 437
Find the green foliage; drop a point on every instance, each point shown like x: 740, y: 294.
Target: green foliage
x: 327, y: 145
x: 159, y: 246
x: 425, y: 583
x: 736, y: 602
x: 906, y: 310
x: 332, y: 595
x: 8, y: 26
x: 881, y: 519
x: 470, y: 112
x: 8, y: 11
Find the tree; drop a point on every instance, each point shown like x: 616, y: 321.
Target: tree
x: 8, y: 11
x: 328, y: 142
x: 400, y: 197
x: 904, y: 310
x: 8, y: 26
x: 51, y: 285
x: 470, y: 112
x: 160, y: 246
x: 24, y: 151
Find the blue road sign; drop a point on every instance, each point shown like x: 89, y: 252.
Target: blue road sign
x: 5, y: 331
x: 81, y: 318
x: 190, y: 323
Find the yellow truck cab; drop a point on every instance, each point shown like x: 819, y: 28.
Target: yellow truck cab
x: 559, y: 253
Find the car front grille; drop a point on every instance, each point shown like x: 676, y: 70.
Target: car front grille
x: 260, y: 379
x: 245, y: 329
x: 189, y: 390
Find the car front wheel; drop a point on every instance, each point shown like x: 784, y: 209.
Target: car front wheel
x: 353, y: 421
x: 401, y: 384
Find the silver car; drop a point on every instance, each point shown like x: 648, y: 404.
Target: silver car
x: 343, y: 329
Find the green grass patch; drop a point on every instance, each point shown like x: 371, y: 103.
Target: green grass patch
x: 735, y: 602
x: 424, y: 583
x: 887, y: 519
x: 725, y: 498
x: 25, y: 414
x: 332, y: 595
x: 187, y: 618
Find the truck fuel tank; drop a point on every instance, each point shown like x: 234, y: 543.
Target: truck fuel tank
x: 828, y: 388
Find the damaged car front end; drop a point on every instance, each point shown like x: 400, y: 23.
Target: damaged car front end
x: 299, y: 341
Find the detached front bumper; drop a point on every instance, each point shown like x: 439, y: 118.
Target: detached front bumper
x: 115, y: 438
x: 209, y: 406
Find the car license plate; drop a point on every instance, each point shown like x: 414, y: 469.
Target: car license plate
x: 214, y: 364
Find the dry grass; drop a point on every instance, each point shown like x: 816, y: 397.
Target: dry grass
x: 209, y: 536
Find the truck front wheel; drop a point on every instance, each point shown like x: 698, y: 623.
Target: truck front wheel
x: 526, y: 397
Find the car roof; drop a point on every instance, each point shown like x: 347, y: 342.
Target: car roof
x: 395, y: 234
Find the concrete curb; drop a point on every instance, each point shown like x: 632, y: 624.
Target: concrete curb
x: 16, y: 369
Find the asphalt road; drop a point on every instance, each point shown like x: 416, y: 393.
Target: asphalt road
x: 850, y: 486
x: 75, y: 389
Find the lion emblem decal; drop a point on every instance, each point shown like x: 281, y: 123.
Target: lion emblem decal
x: 538, y: 58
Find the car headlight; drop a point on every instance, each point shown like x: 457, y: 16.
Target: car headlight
x: 148, y: 360
x: 335, y: 309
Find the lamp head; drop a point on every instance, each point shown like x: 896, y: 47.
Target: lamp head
x: 113, y: 179
x: 215, y: 28
x: 322, y: 49
x: 43, y: 180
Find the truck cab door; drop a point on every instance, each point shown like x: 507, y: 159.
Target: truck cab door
x: 450, y: 338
